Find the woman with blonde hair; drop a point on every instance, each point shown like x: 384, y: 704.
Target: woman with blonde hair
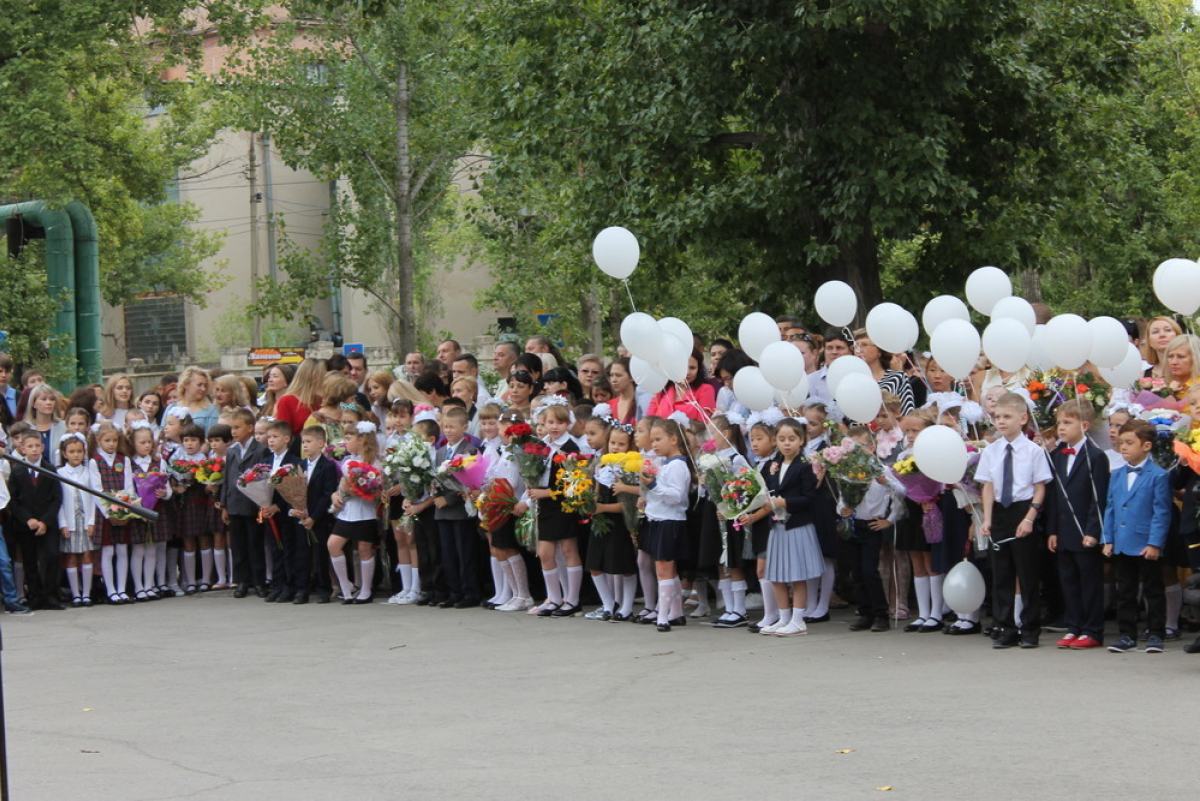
x: 116, y: 399
x: 42, y: 412
x: 404, y: 389
x: 229, y: 393
x: 194, y: 387
x: 376, y: 387
x: 1183, y: 363
x: 303, y: 394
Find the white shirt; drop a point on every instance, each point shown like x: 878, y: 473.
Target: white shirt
x: 70, y: 496
x: 1030, y: 466
x: 667, y: 498
x: 880, y: 501
x: 356, y: 509
x: 1131, y: 476
x: 1077, y: 447
x: 277, y: 460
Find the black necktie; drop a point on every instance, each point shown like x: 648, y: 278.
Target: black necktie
x: 1006, y: 480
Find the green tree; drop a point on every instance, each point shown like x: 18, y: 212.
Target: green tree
x: 362, y: 92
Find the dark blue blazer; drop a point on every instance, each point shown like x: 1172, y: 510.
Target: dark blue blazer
x: 799, y: 489
x: 322, y: 485
x: 1075, y: 502
x: 1141, y: 515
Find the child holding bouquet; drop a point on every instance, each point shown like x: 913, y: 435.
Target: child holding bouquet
x: 456, y: 529
x: 758, y: 522
x: 428, y: 586
x: 195, y: 509
x: 615, y: 557
x: 151, y: 485
x: 875, y: 517
x: 292, y: 556
x: 793, y: 552
x: 212, y: 476
x: 356, y: 512
x: 110, y: 470
x: 498, y: 499
x: 722, y: 541
x: 76, y: 518
x: 667, y: 492
x: 315, y: 518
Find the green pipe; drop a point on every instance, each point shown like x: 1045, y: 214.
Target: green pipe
x: 87, y: 293
x: 60, y: 277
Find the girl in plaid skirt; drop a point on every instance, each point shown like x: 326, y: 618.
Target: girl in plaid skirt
x: 109, y: 469
x: 166, y: 530
x: 195, y: 512
x: 146, y: 540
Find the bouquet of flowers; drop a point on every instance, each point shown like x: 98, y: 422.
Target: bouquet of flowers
x: 410, y: 464
x: 119, y: 515
x: 922, y: 489
x: 255, y: 484
x: 530, y: 455
x: 852, y: 469
x: 1168, y: 425
x: 530, y: 458
x: 337, y: 452
x: 714, y: 471
x: 146, y: 485
x: 210, y: 471
x: 1048, y: 390
x: 362, y: 480
x: 462, y: 473
x: 183, y: 471
x: 742, y: 493
x: 292, y: 484
x: 576, y: 488
x: 626, y: 469
x: 1187, y: 447
x: 495, y: 504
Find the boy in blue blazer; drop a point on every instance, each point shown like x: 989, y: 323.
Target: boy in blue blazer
x: 1137, y: 517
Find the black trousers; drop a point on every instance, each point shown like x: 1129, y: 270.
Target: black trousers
x: 246, y: 542
x: 459, y: 544
x: 42, y: 566
x: 1081, y: 574
x: 321, y: 567
x: 429, y: 555
x: 864, y: 569
x: 297, y: 555
x: 1016, y: 561
x: 1129, y: 572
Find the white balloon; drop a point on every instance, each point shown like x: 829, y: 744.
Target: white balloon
x: 1127, y: 372
x: 1068, y: 341
x: 836, y: 302
x: 782, y: 364
x: 955, y: 344
x: 645, y: 375
x: 1006, y: 343
x: 756, y: 332
x: 1177, y: 285
x: 892, y: 327
x: 641, y: 336
x: 678, y: 329
x: 1110, y: 341
x: 752, y: 390
x: 941, y: 454
x: 1038, y: 358
x: 941, y: 309
x: 986, y: 286
x: 964, y: 589
x: 616, y: 252
x: 674, y: 360
x: 795, y: 397
x: 1017, y: 308
x: 842, y: 367
x: 859, y: 397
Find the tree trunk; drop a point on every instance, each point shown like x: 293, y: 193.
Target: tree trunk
x: 404, y: 249
x: 858, y: 265
x: 589, y: 302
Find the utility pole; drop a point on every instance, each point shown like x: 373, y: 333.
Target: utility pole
x: 254, y: 198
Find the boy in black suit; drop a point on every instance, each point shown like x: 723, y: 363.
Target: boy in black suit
x: 241, y: 513
x: 316, y: 518
x: 35, y: 503
x: 456, y: 529
x: 290, y: 556
x: 1074, y: 523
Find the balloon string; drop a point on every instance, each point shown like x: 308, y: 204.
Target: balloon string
x: 920, y: 370
x: 629, y: 292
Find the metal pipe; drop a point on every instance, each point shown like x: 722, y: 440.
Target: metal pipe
x: 146, y: 514
x: 87, y: 293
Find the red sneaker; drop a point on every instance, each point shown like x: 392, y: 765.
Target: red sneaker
x: 1067, y: 641
x: 1085, y: 642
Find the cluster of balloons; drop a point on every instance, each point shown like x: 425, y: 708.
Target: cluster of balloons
x: 780, y: 377
x: 659, y: 349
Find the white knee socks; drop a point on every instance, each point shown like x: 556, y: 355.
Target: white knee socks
x: 172, y: 568
x: 553, y: 587
x: 149, y: 562
x: 368, y: 575
x: 561, y: 561
x: 649, y: 583
x: 665, y: 590
x: 936, y: 601
x: 416, y: 581
x: 137, y: 558
x: 160, y: 563
x: 921, y: 583
x: 500, y: 580
x: 629, y: 585
x: 106, y: 569
x: 73, y: 580
x: 738, y: 590
x: 520, y: 576
x: 1018, y: 608
x: 206, y: 565
x: 339, y: 569
x: 605, y: 590
x: 574, y: 584
x: 122, y: 569
x: 770, y: 604
x: 406, y: 578
x: 219, y: 564
x: 86, y: 588
x: 189, y: 569
x: 825, y: 594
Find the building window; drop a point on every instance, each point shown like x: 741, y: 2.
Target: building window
x: 155, y: 329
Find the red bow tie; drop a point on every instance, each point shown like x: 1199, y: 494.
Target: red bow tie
x: 1068, y: 451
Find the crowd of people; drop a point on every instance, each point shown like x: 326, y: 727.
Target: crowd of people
x: 1071, y: 519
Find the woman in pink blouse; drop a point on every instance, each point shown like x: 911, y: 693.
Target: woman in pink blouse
x: 690, y: 399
